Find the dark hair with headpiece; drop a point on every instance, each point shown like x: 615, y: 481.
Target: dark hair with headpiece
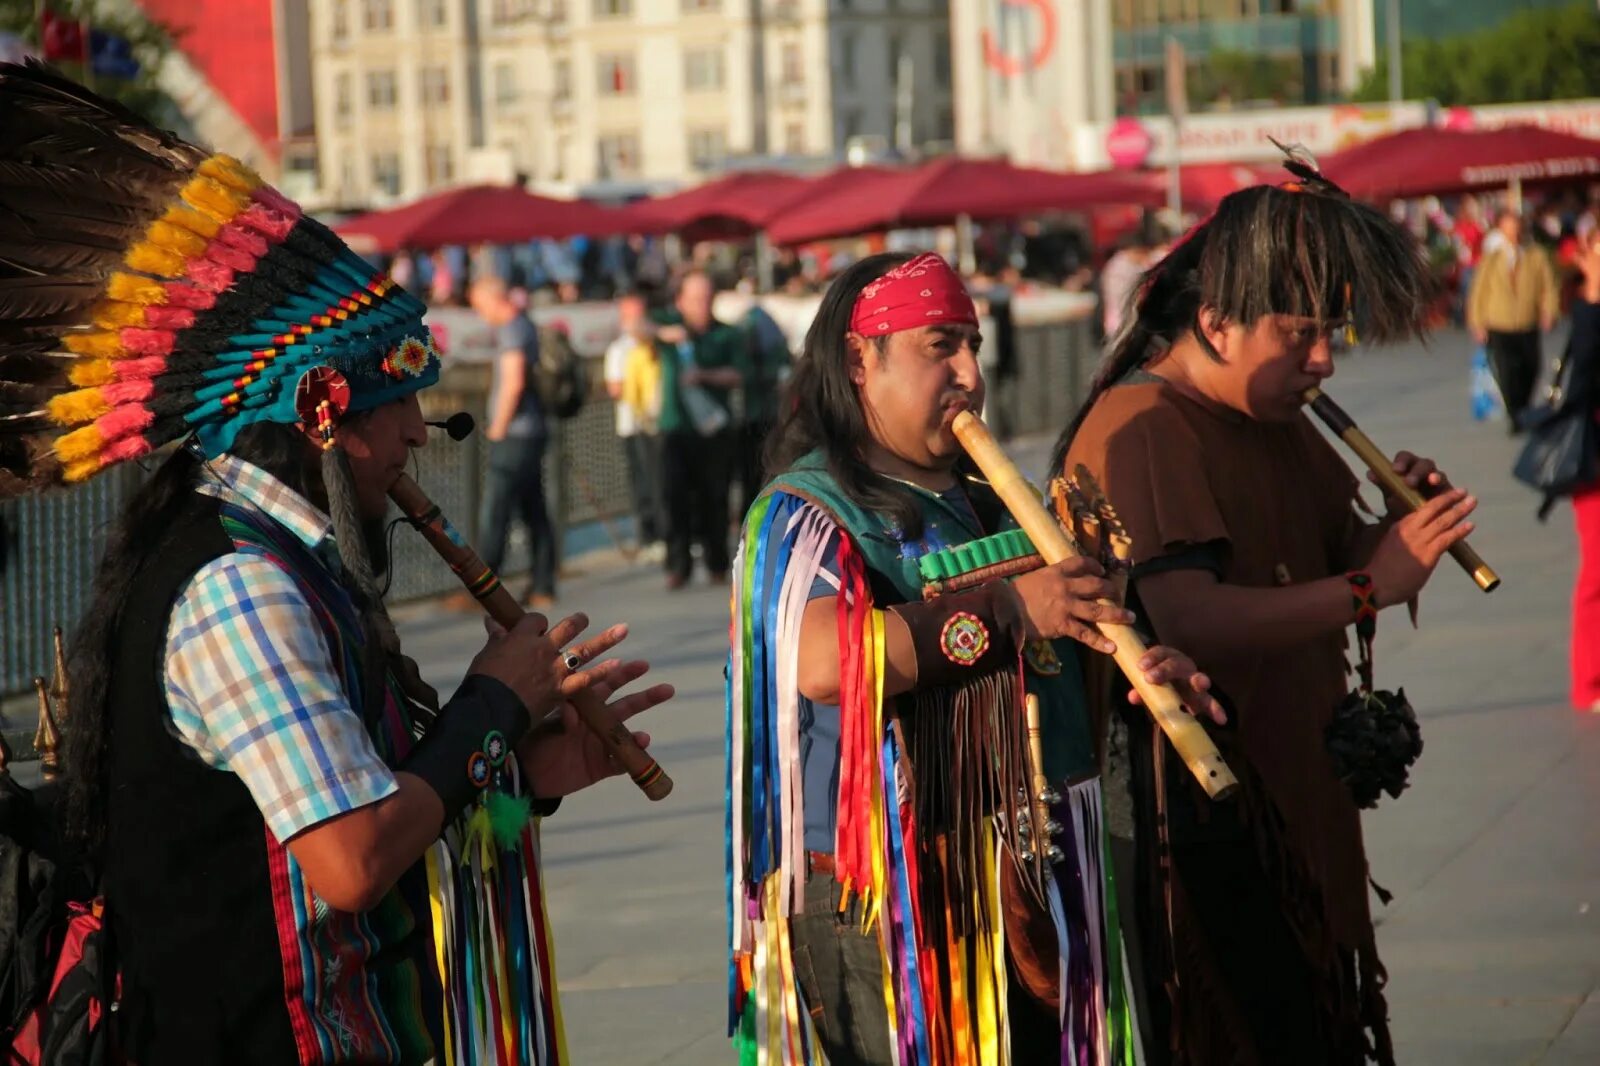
x: 822, y: 407
x: 1304, y: 249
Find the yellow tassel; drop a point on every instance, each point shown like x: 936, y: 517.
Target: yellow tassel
x: 231, y: 172
x: 81, y: 471
x: 79, y: 445
x: 193, y: 221
x: 151, y: 259
x: 215, y: 199
x: 176, y: 239
x: 113, y: 314
x: 103, y: 345
x: 87, y: 373
x: 133, y: 289
x: 76, y: 408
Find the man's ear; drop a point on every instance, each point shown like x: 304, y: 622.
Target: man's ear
x: 1213, y: 330
x: 856, y: 357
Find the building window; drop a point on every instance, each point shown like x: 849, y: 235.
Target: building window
x: 438, y: 164
x: 506, y: 12
x: 435, y: 86
x: 707, y: 148
x: 344, y: 104
x: 341, y: 21
x: 702, y: 69
x: 381, y: 93
x: 506, y: 90
x: 847, y: 61
x: 386, y: 172
x: 432, y: 13
x: 379, y: 15
x: 615, y: 70
x: 794, y: 139
x: 691, y: 7
x: 612, y: 9
x: 793, y: 71
x: 619, y: 155
x: 941, y: 59
x: 561, y: 79
x: 897, y: 47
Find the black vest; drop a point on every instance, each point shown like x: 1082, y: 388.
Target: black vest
x: 186, y: 878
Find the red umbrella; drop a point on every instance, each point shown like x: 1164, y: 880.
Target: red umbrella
x: 1435, y: 162
x: 1203, y: 185
x: 478, y: 214
x: 733, y: 206
x: 939, y: 192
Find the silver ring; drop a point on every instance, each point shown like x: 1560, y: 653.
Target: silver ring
x: 572, y: 662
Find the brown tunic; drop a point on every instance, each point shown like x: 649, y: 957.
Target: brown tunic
x: 1277, y: 500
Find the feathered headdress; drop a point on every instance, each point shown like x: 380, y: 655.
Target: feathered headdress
x: 152, y: 291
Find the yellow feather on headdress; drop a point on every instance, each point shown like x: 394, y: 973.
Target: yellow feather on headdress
x: 89, y: 372
x: 103, y: 345
x: 176, y: 239
x: 231, y: 172
x: 152, y: 259
x: 131, y: 288
x: 81, y: 471
x: 114, y: 314
x: 193, y: 221
x: 80, y: 444
x: 76, y: 408
x: 215, y: 199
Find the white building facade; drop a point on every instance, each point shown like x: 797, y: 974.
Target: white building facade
x: 615, y: 96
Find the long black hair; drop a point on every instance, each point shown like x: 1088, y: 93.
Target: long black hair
x: 1308, y: 251
x: 138, y: 536
x: 822, y: 408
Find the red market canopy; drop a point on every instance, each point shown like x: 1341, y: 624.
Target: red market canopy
x: 1203, y: 185
x: 478, y: 214
x: 736, y: 205
x: 849, y: 202
x: 1434, y: 162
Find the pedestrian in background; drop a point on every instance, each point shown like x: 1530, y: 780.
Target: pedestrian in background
x: 1582, y: 382
x: 1514, y: 298
x: 767, y: 368
x: 517, y: 435
x: 702, y: 362
x: 633, y: 380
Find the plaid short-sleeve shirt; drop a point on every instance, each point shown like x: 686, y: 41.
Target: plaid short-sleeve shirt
x: 250, y: 681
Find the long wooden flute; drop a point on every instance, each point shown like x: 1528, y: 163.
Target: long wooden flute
x: 485, y: 584
x: 1342, y: 424
x: 1194, y: 747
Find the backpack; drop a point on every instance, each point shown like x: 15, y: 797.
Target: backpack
x: 560, y: 379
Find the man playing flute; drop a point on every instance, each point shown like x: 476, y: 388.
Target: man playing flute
x: 1248, y: 551
x: 304, y: 859
x: 876, y: 740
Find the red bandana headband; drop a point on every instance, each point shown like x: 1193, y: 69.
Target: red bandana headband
x: 920, y: 292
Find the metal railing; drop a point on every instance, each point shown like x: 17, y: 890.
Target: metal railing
x: 54, y: 541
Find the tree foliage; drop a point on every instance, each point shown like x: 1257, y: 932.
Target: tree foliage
x: 151, y: 42
x: 1228, y: 77
x: 1548, y: 54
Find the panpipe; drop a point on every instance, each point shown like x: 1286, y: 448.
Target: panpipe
x: 484, y: 584
x: 1187, y: 736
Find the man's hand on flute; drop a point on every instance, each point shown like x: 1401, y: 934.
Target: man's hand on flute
x: 559, y: 756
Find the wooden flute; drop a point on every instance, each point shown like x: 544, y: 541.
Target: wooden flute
x: 1335, y: 418
x: 1190, y: 740
x: 485, y: 584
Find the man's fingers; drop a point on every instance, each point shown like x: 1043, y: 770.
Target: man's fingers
x: 625, y: 707
x: 1094, y: 611
x: 1090, y: 637
x: 592, y: 677
x: 589, y: 650
x: 1080, y: 565
x: 568, y: 628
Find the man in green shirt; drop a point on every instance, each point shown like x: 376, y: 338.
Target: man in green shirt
x: 702, y: 362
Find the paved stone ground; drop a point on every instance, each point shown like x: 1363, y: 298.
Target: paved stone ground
x: 1492, y: 941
